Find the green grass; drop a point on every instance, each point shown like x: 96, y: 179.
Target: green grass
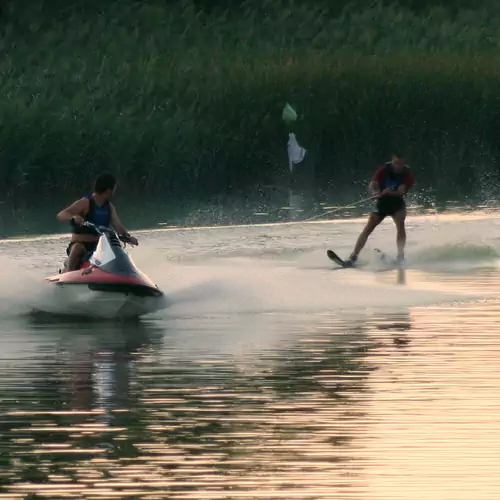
x: 171, y: 98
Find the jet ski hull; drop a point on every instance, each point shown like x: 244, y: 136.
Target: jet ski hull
x: 108, y: 286
x: 107, y: 301
x: 93, y: 292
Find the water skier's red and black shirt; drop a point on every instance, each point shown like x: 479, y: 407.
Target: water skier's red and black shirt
x: 387, y: 177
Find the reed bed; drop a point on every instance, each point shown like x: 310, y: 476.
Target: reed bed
x: 170, y: 96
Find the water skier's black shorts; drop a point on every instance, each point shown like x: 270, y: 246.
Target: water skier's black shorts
x: 90, y: 247
x: 389, y: 205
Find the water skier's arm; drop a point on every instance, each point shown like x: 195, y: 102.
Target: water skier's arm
x: 406, y: 186
x: 374, y: 188
x: 400, y: 191
x: 375, y: 183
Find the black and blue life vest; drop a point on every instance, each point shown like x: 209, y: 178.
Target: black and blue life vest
x: 393, y: 179
x: 97, y: 215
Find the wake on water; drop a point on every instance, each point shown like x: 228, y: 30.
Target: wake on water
x: 239, y: 305
x: 255, y: 285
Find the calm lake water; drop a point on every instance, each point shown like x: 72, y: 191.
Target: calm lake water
x: 270, y: 376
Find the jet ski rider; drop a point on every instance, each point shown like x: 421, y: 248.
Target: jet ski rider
x: 97, y: 209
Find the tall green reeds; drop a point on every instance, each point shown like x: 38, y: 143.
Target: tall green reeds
x: 171, y: 97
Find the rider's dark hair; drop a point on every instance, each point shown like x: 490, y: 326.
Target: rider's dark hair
x: 104, y: 182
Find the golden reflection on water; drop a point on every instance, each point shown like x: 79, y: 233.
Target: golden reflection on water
x: 438, y: 425
x: 388, y: 406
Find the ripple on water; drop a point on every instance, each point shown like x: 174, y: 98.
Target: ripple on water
x: 278, y: 402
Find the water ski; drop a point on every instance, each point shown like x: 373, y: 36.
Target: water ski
x: 335, y: 258
x: 389, y: 262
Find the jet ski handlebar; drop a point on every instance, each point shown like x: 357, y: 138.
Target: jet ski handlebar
x: 97, y: 229
x: 100, y: 230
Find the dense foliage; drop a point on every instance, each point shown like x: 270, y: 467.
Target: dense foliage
x: 188, y: 96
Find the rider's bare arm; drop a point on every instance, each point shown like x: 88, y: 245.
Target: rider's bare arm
x: 120, y: 228
x: 76, y: 209
x: 115, y: 221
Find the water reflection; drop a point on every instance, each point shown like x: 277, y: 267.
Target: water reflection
x: 296, y: 205
x: 107, y: 411
x: 102, y: 413
x: 401, y: 276
x: 397, y: 322
x: 74, y: 405
x: 95, y: 361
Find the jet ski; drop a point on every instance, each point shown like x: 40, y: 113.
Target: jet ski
x: 107, y: 285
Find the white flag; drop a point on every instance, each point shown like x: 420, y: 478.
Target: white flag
x: 296, y: 153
